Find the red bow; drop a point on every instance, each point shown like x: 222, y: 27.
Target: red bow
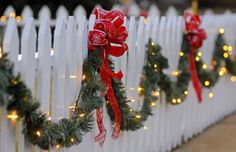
x: 196, y: 36
x: 109, y: 35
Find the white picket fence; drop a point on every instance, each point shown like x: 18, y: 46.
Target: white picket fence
x: 62, y: 63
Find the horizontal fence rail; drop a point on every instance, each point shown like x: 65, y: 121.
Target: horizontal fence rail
x: 51, y: 66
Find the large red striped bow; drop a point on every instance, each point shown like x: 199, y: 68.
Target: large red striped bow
x: 109, y: 35
x: 196, y: 35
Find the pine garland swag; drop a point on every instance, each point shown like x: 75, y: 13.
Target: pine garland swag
x: 36, y: 127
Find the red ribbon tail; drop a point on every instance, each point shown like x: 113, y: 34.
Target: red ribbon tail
x: 100, y: 138
x: 114, y: 104
x: 194, y: 76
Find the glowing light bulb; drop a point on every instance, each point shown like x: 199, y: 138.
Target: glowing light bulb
x: 0, y: 52
x: 153, y: 104
x: 13, y: 116
x: 38, y: 133
x: 138, y: 116
x: 199, y: 53
x: 12, y: 15
x: 181, y: 53
x: 3, y: 19
x: 179, y: 100
x: 211, y: 94
x: 156, y: 93
x: 207, y: 83
x: 81, y: 115
x: 18, y: 18
x: 155, y: 66
x: 145, y: 128
x: 185, y: 92
x: 225, y: 47
x: 233, y: 78
x: 204, y: 66
x: 152, y: 43
x: 140, y: 89
x: 174, y: 100
x: 197, y: 58
x: 221, y: 73
x: 72, y: 140
x: 230, y: 48
x: 222, y: 31
x: 175, y: 73
x: 226, y: 55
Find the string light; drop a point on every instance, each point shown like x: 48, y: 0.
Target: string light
x: 225, y: 47
x: 197, y: 58
x: 211, y: 94
x: 155, y: 66
x: 81, y: 115
x: 221, y: 73
x: 199, y: 53
x: 214, y: 63
x: 175, y: 73
x: 233, y: 78
x: 57, y: 147
x: 83, y: 77
x: 153, y: 104
x: 226, y: 55
x: 174, y: 101
x: 14, y: 82
x: 145, y: 20
x: 38, y: 133
x: 207, y: 83
x: 12, y: 15
x: 181, y: 53
x: 152, y: 43
x: 223, y: 69
x: 156, y: 93
x: 179, y: 100
x: 230, y: 48
x: 52, y: 52
x: 204, y: 66
x: 18, y: 18
x: 145, y: 128
x: 3, y: 19
x: 138, y: 116
x: 132, y: 88
x: 13, y: 116
x: 73, y: 77
x: 72, y: 140
x: 140, y: 89
x: 0, y: 52
x: 132, y: 100
x: 72, y: 107
x: 185, y: 92
x: 222, y: 31
x: 130, y: 110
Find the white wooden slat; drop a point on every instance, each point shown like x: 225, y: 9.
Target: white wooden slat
x: 134, y: 9
x: 44, y: 64
x: 171, y: 11
x: 59, y: 67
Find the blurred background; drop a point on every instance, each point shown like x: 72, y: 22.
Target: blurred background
x: 217, y: 5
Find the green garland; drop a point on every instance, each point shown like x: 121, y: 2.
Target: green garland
x: 37, y: 128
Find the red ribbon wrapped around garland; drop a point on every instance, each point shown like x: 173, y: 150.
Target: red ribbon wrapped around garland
x: 196, y: 35
x: 109, y: 35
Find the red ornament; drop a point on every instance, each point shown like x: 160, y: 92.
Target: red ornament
x: 109, y: 35
x: 195, y: 35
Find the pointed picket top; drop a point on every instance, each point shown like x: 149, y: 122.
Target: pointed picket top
x: 44, y: 13
x: 82, y: 33
x: 171, y: 11
x: 228, y: 12
x: 154, y: 11
x: 116, y: 7
x: 27, y: 12
x: 11, y: 37
x: 9, y: 12
x: 28, y: 49
x: 44, y: 63
x: 79, y: 11
x: 134, y: 9
x: 62, y: 12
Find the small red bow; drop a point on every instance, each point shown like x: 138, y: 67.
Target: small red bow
x: 196, y: 35
x: 109, y: 35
